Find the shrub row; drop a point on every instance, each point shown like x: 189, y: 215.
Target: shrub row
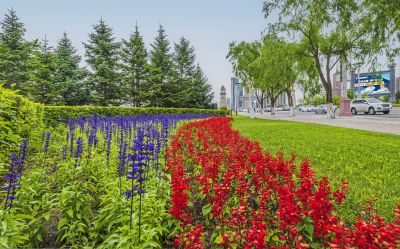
x: 54, y: 114
x: 18, y: 117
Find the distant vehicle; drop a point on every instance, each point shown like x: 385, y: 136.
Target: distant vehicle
x: 268, y: 109
x: 280, y: 108
x: 322, y: 109
x: 307, y: 108
x: 286, y: 108
x: 370, y: 106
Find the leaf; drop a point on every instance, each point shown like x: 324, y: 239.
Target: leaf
x: 70, y: 213
x: 206, y: 209
x: 218, y: 240
x: 61, y: 223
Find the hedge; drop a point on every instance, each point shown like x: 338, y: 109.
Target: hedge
x: 396, y: 105
x: 54, y: 114
x: 19, y: 118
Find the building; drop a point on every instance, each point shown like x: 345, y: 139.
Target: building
x: 397, y: 86
x: 237, y: 98
x: 222, y: 102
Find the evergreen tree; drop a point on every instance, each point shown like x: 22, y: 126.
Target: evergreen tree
x: 15, y: 51
x: 102, y: 56
x: 41, y: 87
x: 181, y: 89
x: 68, y: 74
x: 161, y: 69
x: 135, y: 69
x: 202, y: 91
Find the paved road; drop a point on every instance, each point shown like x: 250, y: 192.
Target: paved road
x: 387, y: 123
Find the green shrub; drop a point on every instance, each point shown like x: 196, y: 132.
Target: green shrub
x: 54, y: 114
x: 350, y: 94
x: 19, y: 117
x: 385, y: 99
x: 336, y: 100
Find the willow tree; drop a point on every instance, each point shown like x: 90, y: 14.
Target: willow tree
x: 327, y: 30
x: 242, y: 55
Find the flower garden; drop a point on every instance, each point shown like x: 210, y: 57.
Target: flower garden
x: 171, y: 181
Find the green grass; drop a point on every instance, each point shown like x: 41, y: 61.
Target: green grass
x: 369, y: 161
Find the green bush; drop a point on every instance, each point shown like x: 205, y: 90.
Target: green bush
x: 336, y: 100
x: 385, y: 99
x: 54, y: 114
x: 19, y: 117
x: 350, y: 94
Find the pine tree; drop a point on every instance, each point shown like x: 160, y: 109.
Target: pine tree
x: 135, y: 69
x: 202, y: 91
x: 161, y: 69
x: 181, y: 90
x: 102, y: 52
x: 15, y: 51
x: 41, y: 87
x: 68, y: 74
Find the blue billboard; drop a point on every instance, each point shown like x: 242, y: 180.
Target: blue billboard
x: 373, y: 84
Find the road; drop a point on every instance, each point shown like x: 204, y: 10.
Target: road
x: 386, y: 123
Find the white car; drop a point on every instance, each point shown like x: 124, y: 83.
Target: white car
x: 307, y: 109
x: 323, y: 109
x: 370, y: 106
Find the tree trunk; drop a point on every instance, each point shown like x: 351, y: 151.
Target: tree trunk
x: 326, y: 82
x: 272, y: 99
x: 290, y: 100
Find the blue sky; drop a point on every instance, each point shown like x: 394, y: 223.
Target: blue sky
x: 210, y: 25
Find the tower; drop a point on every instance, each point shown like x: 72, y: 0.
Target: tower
x: 222, y: 101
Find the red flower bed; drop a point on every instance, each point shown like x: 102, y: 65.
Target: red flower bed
x: 227, y: 193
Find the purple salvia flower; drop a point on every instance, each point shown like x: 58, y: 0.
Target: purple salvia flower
x: 79, y: 148
x: 47, y: 142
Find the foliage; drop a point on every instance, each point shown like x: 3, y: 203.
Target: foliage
x: 385, y: 98
x: 76, y: 189
x: 17, y: 117
x: 14, y: 51
x: 55, y: 114
x: 68, y: 76
x: 102, y: 53
x: 260, y: 67
x: 161, y: 68
x: 41, y: 87
x: 336, y: 100
x: 119, y: 73
x: 227, y: 193
x: 328, y: 31
x: 135, y: 69
x: 350, y: 94
x: 371, y: 175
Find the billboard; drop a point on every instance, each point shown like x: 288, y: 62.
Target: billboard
x: 373, y: 84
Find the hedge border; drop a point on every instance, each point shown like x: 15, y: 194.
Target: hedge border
x: 55, y: 114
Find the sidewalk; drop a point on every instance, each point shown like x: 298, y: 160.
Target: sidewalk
x: 377, y: 123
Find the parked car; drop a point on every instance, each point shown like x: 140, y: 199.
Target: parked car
x: 322, y: 109
x: 267, y: 109
x: 286, y: 108
x: 307, y: 108
x: 370, y: 106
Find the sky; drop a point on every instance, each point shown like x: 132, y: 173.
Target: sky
x: 210, y: 25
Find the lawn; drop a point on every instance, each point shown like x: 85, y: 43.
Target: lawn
x: 370, y: 161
